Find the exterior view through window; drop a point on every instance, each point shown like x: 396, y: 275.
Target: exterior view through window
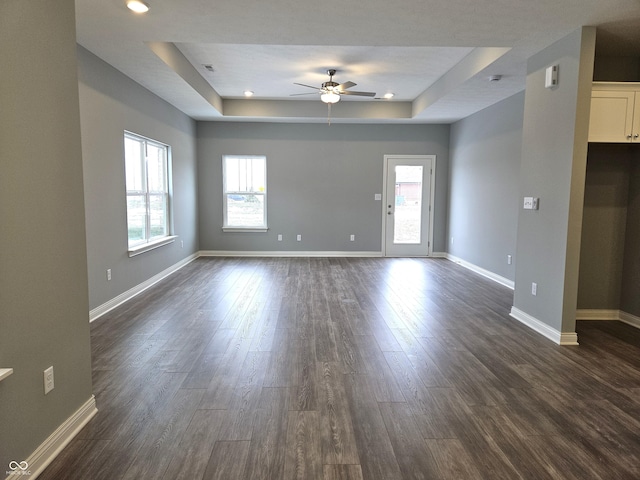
x: 408, y: 208
x: 147, y: 183
x: 245, y: 191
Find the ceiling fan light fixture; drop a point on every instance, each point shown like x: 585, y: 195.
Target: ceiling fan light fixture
x: 330, y: 92
x: 137, y: 6
x: 330, y: 97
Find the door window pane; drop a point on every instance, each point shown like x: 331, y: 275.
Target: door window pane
x: 408, y: 204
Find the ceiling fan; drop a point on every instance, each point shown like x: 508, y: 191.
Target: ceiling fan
x: 331, y: 91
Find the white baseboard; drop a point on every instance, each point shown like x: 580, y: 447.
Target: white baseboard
x: 568, y: 338
x: 132, y: 292
x: 485, y: 273
x: 281, y: 253
x: 52, y: 446
x: 597, y: 314
x: 629, y: 319
x: 561, y: 338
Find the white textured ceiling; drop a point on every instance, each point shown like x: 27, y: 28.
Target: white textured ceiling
x: 435, y: 56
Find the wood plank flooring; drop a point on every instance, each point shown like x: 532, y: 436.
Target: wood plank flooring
x: 350, y: 368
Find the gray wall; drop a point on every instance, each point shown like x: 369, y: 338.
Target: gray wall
x: 603, y: 226
x: 630, y: 295
x: 554, y: 154
x: 321, y: 182
x: 43, y: 268
x: 109, y: 104
x: 483, y: 187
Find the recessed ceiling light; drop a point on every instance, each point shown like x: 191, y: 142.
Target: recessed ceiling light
x: 137, y: 6
x: 248, y: 93
x: 389, y: 95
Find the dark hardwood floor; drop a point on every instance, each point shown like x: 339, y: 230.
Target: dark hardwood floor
x: 350, y: 368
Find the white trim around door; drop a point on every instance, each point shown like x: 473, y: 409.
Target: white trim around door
x: 422, y: 247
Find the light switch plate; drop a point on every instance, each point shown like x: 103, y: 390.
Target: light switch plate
x: 551, y: 76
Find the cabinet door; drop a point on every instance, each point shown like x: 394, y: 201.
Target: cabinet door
x: 611, y: 116
x: 636, y: 120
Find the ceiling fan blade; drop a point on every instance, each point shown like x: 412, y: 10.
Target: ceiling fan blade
x: 345, y: 85
x: 308, y: 86
x: 298, y: 94
x: 360, y: 94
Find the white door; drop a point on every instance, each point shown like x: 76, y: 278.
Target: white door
x: 408, y: 218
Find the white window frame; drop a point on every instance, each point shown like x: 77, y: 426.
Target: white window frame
x: 243, y: 228
x: 151, y: 242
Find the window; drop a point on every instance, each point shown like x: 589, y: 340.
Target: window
x: 147, y: 182
x: 245, y: 192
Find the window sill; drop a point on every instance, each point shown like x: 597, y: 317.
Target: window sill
x: 137, y: 250
x: 245, y: 229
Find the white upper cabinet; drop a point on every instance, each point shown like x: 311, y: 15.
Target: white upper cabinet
x: 615, y: 112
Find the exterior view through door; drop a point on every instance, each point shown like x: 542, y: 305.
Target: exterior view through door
x: 408, y: 197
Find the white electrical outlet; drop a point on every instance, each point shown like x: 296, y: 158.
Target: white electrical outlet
x: 528, y: 203
x: 509, y: 259
x: 279, y: 237
x: 531, y: 203
x: 299, y: 238
x: 534, y: 289
x: 352, y: 238
x: 108, y: 274
x: 48, y: 380
x: 377, y: 196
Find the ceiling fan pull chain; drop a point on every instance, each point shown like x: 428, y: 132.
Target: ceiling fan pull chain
x: 329, y: 114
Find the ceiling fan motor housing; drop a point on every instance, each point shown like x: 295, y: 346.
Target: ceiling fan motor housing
x: 330, y: 86
x: 331, y: 91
